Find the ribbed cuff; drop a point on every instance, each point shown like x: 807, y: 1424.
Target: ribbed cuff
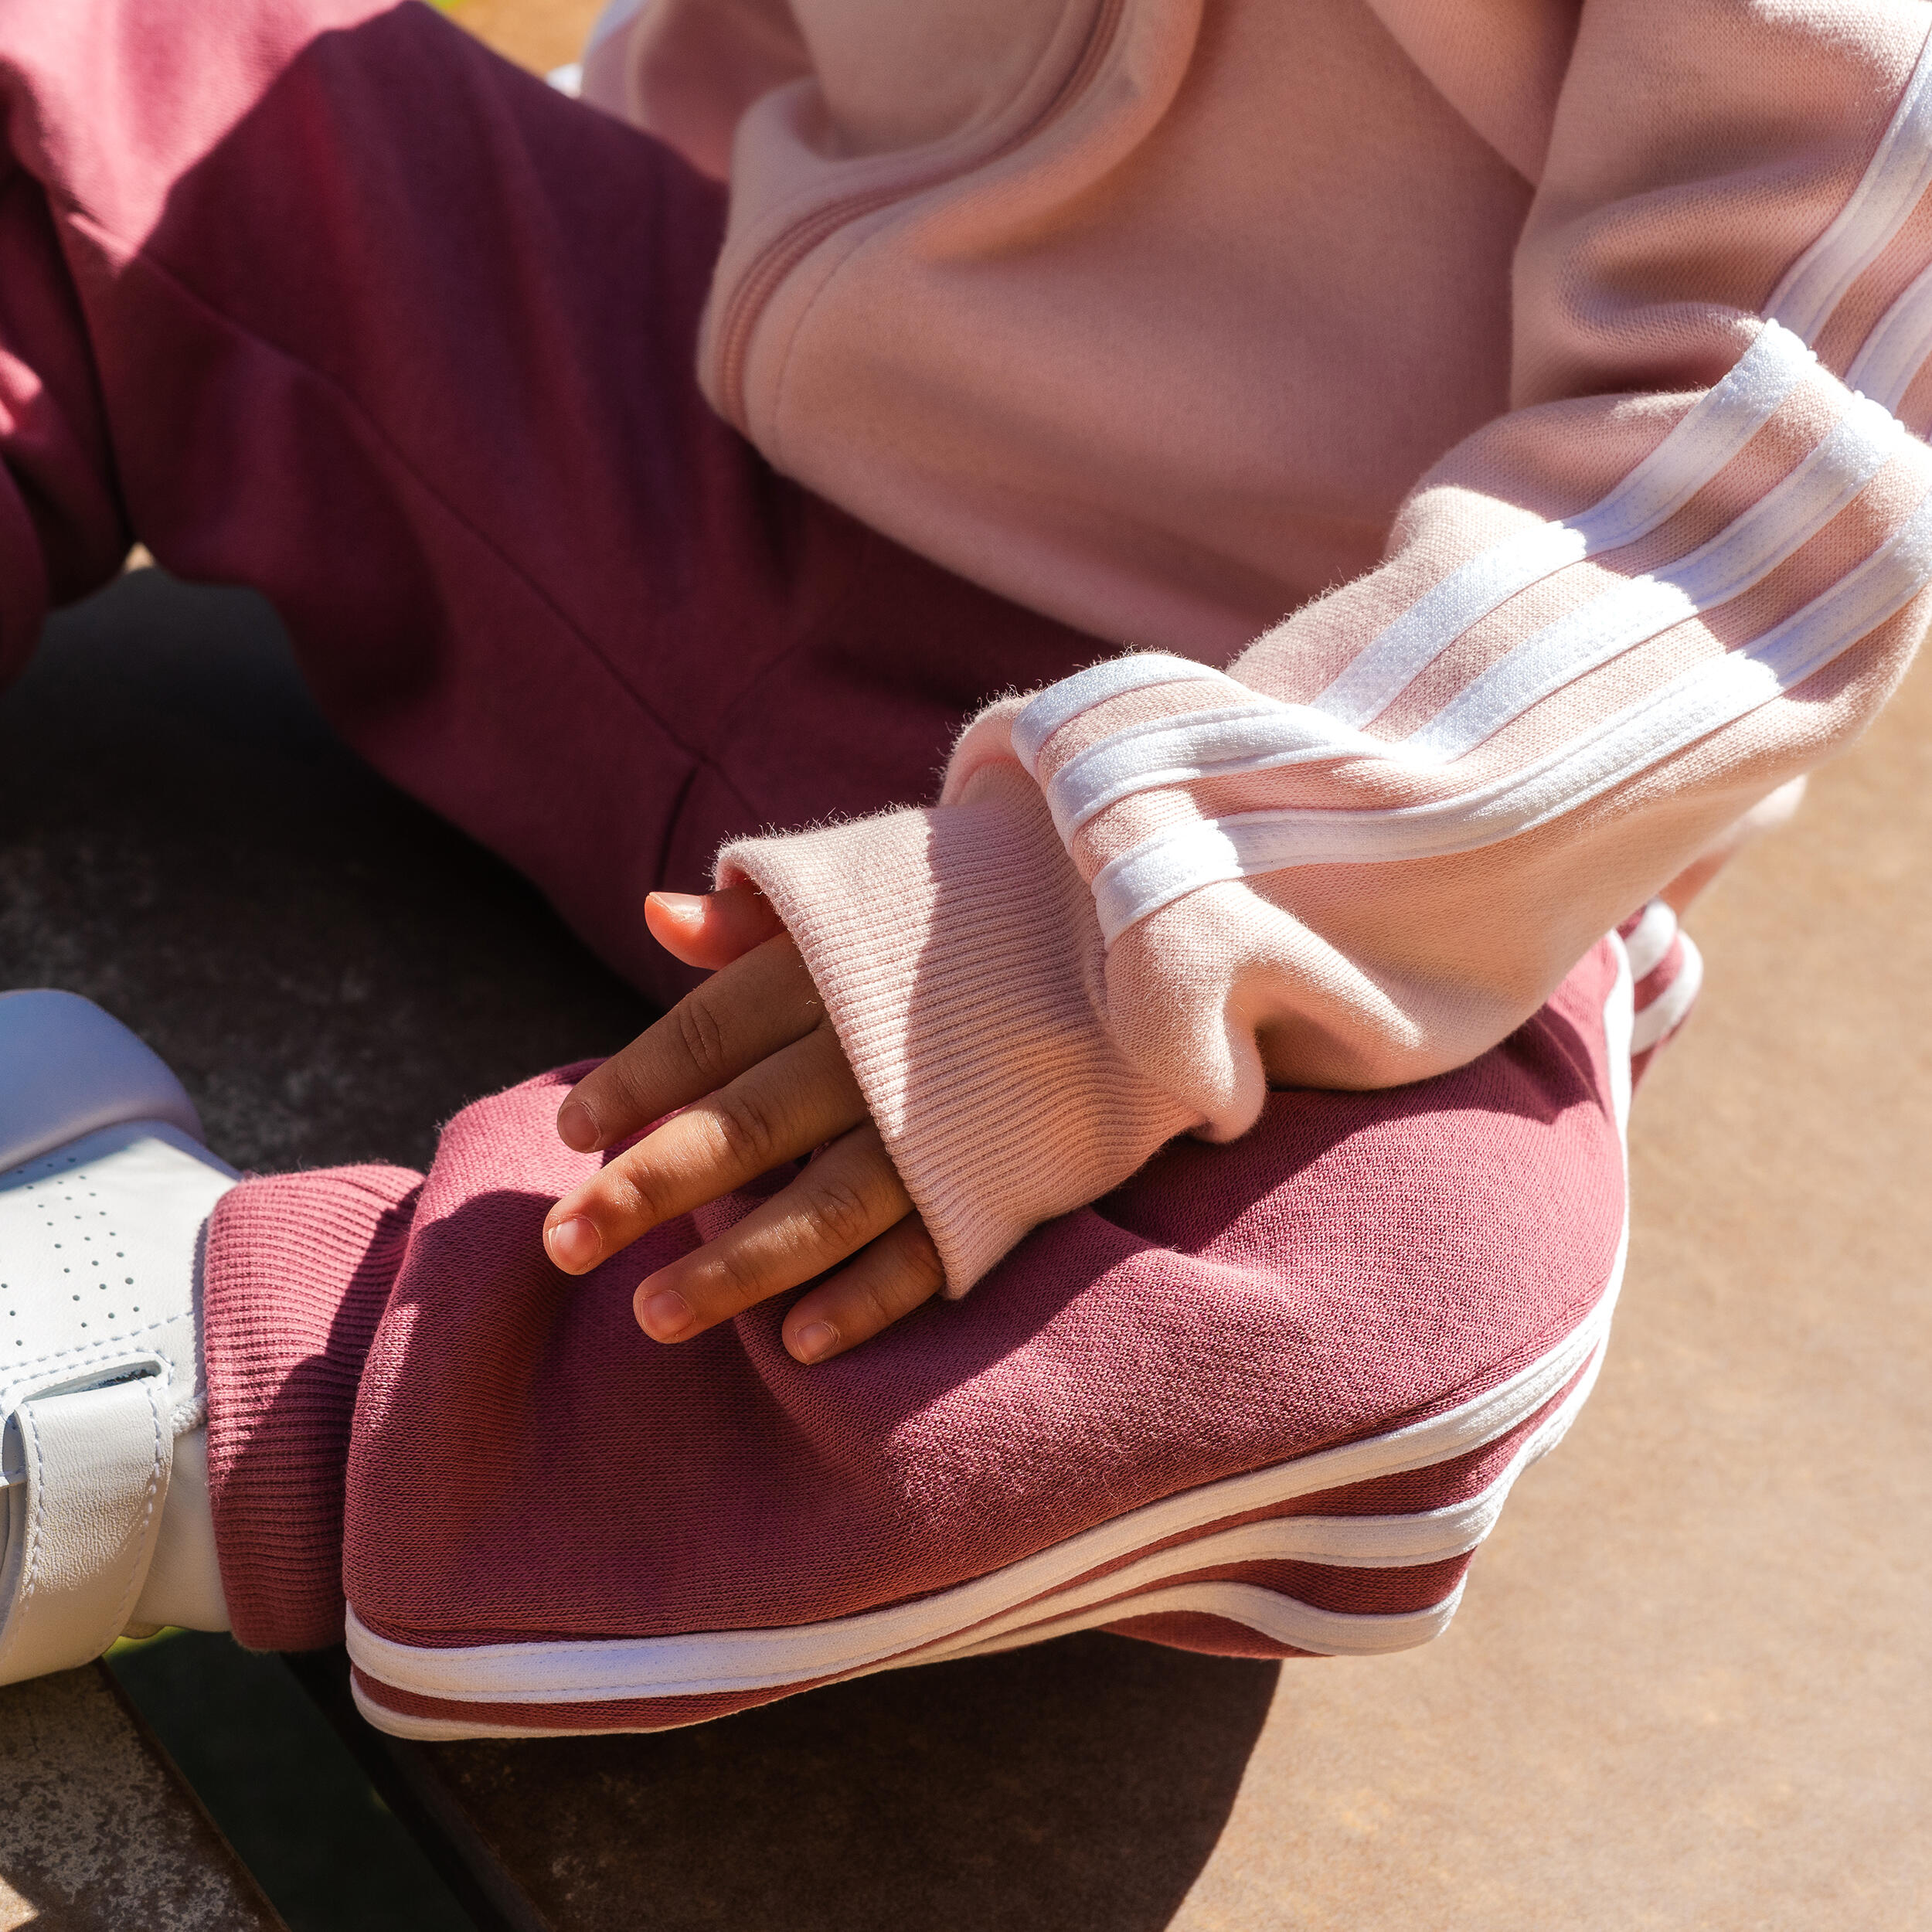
x: 958, y: 954
x: 297, y: 1276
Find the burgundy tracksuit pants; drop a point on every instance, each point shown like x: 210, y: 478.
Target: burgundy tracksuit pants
x: 319, y: 297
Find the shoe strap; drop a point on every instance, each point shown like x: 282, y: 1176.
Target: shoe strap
x: 95, y: 1465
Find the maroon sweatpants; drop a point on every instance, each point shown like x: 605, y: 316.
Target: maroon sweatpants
x: 318, y: 297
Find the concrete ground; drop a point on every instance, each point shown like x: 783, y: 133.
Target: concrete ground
x: 95, y: 1832
x: 1689, y: 1684
x: 542, y: 35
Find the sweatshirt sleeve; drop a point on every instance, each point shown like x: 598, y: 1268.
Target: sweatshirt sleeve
x: 1690, y: 562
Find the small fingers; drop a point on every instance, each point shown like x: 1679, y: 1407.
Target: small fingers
x: 711, y: 929
x: 890, y: 1278
x: 848, y: 1196
x: 740, y: 1015
x: 798, y: 1099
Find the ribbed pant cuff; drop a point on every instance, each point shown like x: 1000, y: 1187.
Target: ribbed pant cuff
x: 297, y: 1273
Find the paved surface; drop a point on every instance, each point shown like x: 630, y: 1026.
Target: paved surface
x: 330, y: 971
x: 540, y: 34
x: 96, y: 1833
x: 1080, y: 1786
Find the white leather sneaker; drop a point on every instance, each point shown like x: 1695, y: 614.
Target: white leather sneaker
x: 105, y: 1192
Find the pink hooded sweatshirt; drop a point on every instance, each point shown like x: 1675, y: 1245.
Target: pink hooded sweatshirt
x: 1494, y: 426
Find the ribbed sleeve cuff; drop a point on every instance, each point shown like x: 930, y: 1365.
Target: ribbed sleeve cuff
x: 958, y: 952
x: 297, y: 1276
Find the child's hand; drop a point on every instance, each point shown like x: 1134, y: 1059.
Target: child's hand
x: 752, y: 1058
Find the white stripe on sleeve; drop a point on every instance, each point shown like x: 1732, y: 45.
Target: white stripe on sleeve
x: 1896, y: 348
x: 1711, y: 432
x: 1184, y: 857
x: 1775, y: 527
x: 1898, y: 174
x: 1060, y: 704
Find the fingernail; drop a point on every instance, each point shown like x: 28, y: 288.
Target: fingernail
x: 577, y: 1127
x: 814, y: 1339
x: 573, y: 1243
x: 681, y: 905
x: 666, y: 1315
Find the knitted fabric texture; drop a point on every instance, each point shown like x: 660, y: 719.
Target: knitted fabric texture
x: 297, y: 1276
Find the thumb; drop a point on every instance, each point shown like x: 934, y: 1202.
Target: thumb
x: 711, y: 929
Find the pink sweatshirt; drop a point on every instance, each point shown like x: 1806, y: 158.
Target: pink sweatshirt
x: 1558, y: 368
